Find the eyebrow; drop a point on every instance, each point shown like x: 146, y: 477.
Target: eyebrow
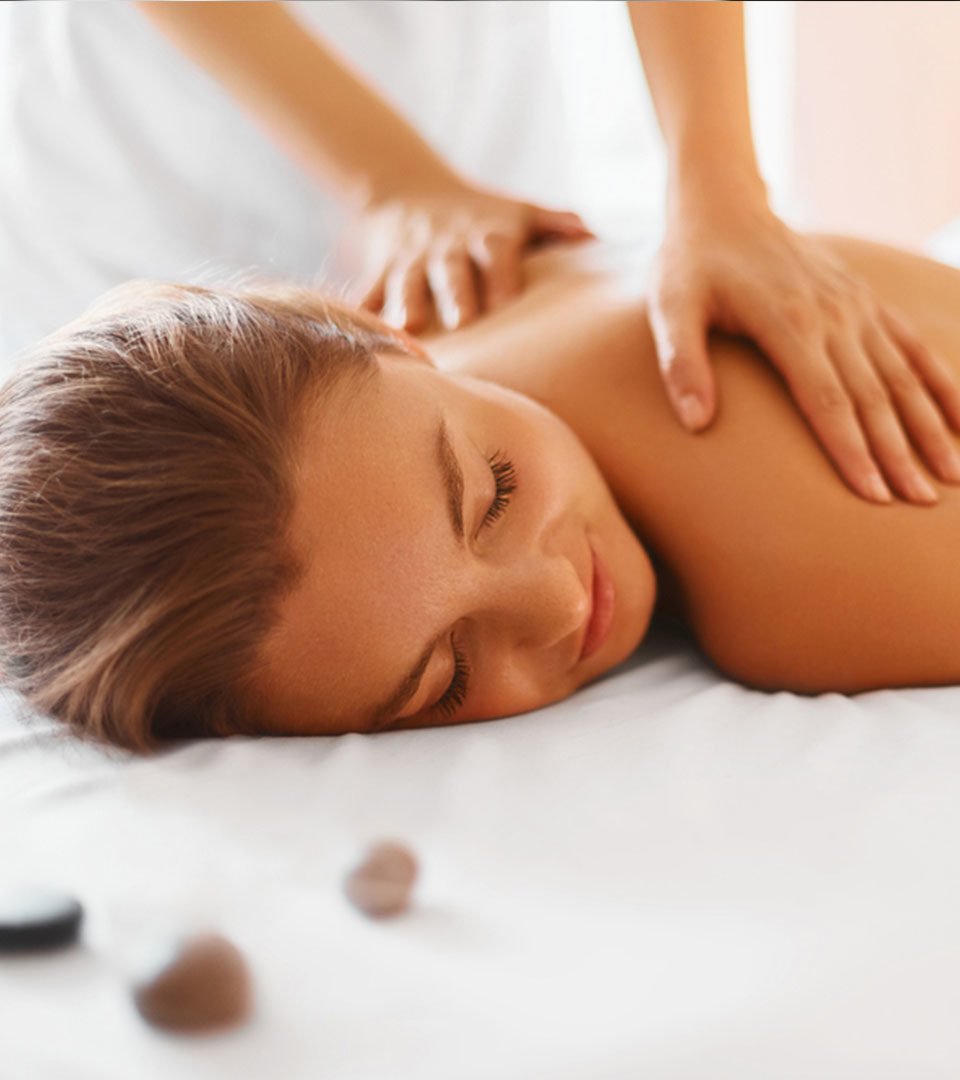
x: 452, y: 479
x: 453, y: 486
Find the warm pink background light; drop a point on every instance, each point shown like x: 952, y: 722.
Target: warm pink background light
x: 877, y: 116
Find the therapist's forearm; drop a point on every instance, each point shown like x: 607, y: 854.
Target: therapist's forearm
x: 695, y: 64
x: 307, y: 99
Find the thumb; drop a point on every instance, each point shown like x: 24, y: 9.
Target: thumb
x: 559, y: 225
x: 680, y: 337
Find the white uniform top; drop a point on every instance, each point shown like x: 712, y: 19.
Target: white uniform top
x: 121, y: 158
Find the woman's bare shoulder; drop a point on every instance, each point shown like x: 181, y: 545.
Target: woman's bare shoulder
x: 555, y: 275
x: 838, y: 594
x: 791, y: 581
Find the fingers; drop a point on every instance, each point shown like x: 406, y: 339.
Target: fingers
x: 791, y: 335
x: 454, y: 254
x: 407, y: 304
x: 911, y: 398
x: 450, y: 273
x: 457, y: 279
x: 932, y: 369
x: 866, y: 404
x: 875, y: 396
x: 824, y: 402
x: 482, y: 277
x: 873, y: 411
x: 679, y: 329
x: 558, y: 225
x: 455, y: 282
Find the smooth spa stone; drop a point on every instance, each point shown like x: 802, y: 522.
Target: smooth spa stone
x: 382, y: 883
x: 33, y: 917
x: 193, y: 984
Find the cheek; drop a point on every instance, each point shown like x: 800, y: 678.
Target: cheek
x: 507, y: 691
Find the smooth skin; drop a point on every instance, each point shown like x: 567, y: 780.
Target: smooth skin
x: 438, y: 248
x: 785, y: 577
x: 390, y: 579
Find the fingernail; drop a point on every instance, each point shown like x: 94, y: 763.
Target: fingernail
x: 451, y: 316
x: 922, y: 490
x: 877, y: 489
x: 692, y: 411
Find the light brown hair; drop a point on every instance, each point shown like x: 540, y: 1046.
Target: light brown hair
x: 147, y: 455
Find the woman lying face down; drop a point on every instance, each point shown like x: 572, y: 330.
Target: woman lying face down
x: 255, y: 511
x: 260, y: 512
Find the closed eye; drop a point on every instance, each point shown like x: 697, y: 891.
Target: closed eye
x: 505, y: 478
x: 456, y: 693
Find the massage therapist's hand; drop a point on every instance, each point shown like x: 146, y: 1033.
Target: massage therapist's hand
x: 450, y: 248
x: 859, y: 374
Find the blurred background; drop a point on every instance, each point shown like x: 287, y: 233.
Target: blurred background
x: 121, y: 158
x: 856, y: 109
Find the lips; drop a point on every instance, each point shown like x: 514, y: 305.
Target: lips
x: 602, y: 606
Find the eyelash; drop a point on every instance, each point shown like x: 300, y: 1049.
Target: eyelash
x: 456, y: 693
x: 505, y: 476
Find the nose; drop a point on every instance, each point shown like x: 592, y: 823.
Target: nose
x: 537, y: 598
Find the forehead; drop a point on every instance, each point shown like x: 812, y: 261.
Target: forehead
x: 368, y: 523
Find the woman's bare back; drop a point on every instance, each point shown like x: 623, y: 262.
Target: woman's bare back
x: 787, y: 579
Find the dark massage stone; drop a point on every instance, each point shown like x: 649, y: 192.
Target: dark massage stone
x: 196, y: 983
x: 37, y: 918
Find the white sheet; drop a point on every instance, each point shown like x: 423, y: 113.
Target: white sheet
x: 666, y: 876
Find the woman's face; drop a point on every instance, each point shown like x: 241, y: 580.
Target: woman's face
x: 461, y: 550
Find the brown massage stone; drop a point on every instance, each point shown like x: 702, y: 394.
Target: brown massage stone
x: 382, y: 883
x: 194, y: 984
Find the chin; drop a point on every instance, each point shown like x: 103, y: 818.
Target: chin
x: 638, y: 590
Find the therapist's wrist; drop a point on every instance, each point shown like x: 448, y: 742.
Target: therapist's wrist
x: 418, y: 175
x: 715, y: 182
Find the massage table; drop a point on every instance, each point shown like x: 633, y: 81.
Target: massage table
x: 668, y: 875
